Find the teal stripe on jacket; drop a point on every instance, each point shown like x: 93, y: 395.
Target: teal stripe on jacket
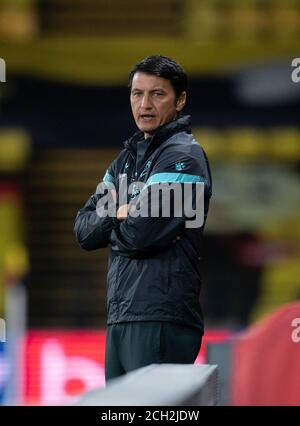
x: 108, y: 177
x: 174, y: 177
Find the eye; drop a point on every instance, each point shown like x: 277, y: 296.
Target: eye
x: 136, y: 94
x: 158, y: 94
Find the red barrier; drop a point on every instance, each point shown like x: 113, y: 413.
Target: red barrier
x: 266, y: 361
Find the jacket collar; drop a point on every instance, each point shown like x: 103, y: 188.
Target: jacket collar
x: 161, y: 134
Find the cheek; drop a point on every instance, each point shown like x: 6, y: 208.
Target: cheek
x: 134, y: 108
x: 169, y: 110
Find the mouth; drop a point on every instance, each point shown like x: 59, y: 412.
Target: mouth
x: 147, y: 117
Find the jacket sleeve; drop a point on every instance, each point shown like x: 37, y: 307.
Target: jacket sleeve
x: 141, y: 236
x: 92, y: 231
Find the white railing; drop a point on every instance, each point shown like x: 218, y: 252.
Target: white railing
x: 159, y: 385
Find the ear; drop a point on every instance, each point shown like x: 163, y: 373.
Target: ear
x: 180, y: 101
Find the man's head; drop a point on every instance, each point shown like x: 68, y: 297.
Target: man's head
x: 157, y: 92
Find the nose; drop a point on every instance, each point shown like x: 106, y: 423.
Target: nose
x: 146, y: 101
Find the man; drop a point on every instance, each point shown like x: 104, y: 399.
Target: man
x: 153, y: 282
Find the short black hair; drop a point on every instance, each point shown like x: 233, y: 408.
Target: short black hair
x: 164, y: 67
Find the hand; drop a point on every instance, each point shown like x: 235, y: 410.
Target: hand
x: 122, y: 212
x: 177, y: 238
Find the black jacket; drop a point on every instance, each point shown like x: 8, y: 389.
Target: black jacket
x: 151, y: 278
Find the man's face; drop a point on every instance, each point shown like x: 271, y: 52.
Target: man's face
x: 153, y: 102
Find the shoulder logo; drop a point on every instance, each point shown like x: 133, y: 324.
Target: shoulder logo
x: 180, y: 165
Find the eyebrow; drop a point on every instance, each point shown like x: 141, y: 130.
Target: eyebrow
x: 156, y: 89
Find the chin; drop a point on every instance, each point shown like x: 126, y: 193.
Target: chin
x: 148, y: 130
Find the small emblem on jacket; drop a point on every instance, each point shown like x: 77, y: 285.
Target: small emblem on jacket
x: 179, y: 166
x: 135, y: 191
